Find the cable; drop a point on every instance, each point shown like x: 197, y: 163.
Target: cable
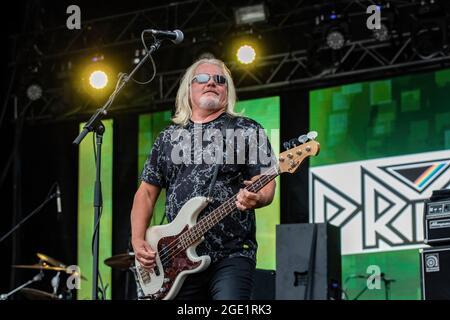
x: 151, y: 59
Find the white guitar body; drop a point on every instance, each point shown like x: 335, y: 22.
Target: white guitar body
x: 164, y: 282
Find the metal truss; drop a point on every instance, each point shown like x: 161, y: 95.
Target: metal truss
x: 296, y: 65
x: 366, y: 57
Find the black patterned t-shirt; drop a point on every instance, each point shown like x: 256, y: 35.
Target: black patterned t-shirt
x: 182, y: 161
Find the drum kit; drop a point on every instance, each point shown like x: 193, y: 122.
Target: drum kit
x: 123, y: 262
x: 46, y: 263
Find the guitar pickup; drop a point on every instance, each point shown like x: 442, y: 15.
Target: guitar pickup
x: 156, y: 270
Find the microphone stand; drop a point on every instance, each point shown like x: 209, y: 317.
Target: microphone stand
x: 39, y: 208
x: 95, y: 125
x: 387, y: 285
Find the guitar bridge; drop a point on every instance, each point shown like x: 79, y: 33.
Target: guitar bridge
x: 145, y: 275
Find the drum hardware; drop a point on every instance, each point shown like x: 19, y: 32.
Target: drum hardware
x: 125, y: 262
x: 34, y: 294
x: 48, y: 264
x: 36, y: 278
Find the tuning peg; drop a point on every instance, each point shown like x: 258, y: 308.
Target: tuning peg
x: 294, y: 143
x: 312, y: 135
x: 286, y: 145
x: 303, y: 138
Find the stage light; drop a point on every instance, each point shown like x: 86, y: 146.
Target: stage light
x: 137, y: 58
x: 430, y: 31
x: 98, y: 58
x: 206, y: 46
x: 34, y: 92
x: 98, y: 79
x: 335, y: 40
x: 250, y: 14
x: 206, y: 55
x: 246, y: 54
x: 381, y: 34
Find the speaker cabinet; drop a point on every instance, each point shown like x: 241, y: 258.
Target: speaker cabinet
x: 308, y: 262
x: 435, y: 273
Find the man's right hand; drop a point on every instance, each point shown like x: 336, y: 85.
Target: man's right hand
x: 144, y: 254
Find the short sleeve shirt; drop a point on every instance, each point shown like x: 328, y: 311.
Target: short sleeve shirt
x: 183, y: 160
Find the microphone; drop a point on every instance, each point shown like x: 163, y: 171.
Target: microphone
x: 58, y: 199
x: 176, y: 36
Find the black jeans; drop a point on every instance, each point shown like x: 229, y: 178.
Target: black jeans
x: 227, y: 279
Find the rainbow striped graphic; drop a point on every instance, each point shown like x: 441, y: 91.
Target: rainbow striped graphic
x: 421, y: 181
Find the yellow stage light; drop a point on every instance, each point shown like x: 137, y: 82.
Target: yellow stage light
x: 98, y: 79
x: 246, y: 54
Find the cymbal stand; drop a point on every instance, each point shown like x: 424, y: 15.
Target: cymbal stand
x: 36, y: 278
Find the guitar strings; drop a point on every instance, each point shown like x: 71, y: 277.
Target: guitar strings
x: 229, y: 204
x: 168, y: 252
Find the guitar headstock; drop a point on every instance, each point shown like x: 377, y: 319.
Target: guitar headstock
x: 298, y: 150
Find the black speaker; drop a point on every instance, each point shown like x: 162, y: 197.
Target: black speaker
x: 437, y: 218
x: 435, y: 273
x: 264, y: 286
x: 308, y: 260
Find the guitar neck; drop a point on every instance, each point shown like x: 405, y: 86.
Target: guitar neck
x: 228, y: 207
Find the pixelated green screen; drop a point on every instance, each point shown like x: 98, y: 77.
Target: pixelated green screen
x: 376, y: 119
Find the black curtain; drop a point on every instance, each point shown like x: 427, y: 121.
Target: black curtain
x: 124, y: 187
x: 46, y: 156
x: 294, y: 187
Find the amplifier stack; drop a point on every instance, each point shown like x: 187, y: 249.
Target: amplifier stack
x: 435, y: 261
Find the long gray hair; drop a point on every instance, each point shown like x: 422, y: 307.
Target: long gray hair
x: 183, y: 111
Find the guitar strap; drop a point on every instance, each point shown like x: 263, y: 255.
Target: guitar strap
x: 228, y: 124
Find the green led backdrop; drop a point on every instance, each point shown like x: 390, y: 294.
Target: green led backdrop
x: 267, y: 112
x: 86, y: 179
x: 379, y: 140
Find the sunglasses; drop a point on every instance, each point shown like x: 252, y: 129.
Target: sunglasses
x: 204, y: 78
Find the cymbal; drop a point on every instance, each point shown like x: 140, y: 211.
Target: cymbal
x: 34, y: 294
x: 50, y: 260
x: 121, y: 261
x: 43, y: 266
x: 55, y: 263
